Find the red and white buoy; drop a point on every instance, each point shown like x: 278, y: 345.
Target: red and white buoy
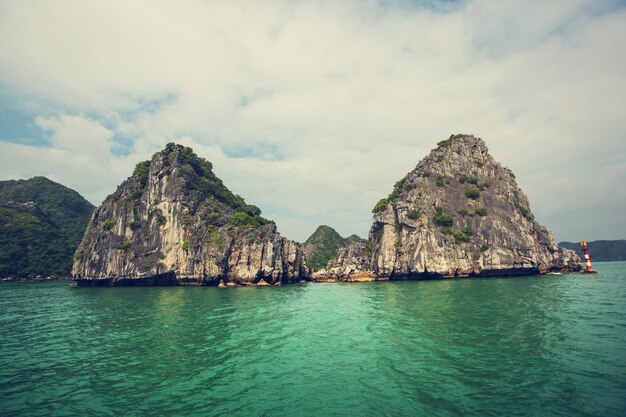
x: 589, y: 269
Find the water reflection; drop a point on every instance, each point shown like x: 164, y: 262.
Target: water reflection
x: 541, y: 345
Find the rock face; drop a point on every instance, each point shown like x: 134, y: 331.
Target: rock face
x: 324, y: 244
x: 174, y: 222
x: 458, y: 213
x: 353, y: 263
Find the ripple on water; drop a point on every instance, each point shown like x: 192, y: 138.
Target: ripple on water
x: 518, y: 346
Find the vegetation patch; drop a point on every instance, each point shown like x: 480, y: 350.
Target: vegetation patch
x: 444, y: 220
x: 472, y: 193
x: 381, y: 205
x: 448, y: 142
x: 484, y: 247
x: 187, y: 220
x: 185, y: 245
x: 511, y: 174
x: 440, y: 181
x: 398, y: 188
x: 241, y: 219
x: 213, y: 218
x: 108, y: 224
x: 414, y: 214
x: 467, y: 179
x: 158, y: 215
x: 465, y: 212
x: 134, y: 225
x: 136, y: 195
x: 141, y: 172
x: 216, y: 238
x: 525, y: 213
x: 463, y: 235
x: 480, y: 211
x: 124, y: 246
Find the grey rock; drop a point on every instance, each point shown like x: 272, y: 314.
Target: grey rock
x: 174, y: 222
x: 432, y: 225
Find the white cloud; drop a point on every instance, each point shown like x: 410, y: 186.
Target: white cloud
x: 335, y: 100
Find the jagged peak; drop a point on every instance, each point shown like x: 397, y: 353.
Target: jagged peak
x: 460, y: 140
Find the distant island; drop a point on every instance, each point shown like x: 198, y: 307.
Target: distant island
x: 600, y: 250
x: 41, y: 224
x: 324, y: 244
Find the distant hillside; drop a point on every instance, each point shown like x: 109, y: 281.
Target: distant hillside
x: 41, y: 224
x: 324, y: 244
x: 601, y: 250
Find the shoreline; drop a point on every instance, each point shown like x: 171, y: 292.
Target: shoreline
x: 221, y: 283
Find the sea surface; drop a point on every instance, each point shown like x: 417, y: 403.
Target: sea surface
x: 523, y: 346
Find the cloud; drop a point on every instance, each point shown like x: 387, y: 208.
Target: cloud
x: 312, y: 110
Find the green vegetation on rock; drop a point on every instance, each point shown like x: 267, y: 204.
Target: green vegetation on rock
x: 525, y: 213
x: 511, y: 174
x: 472, y: 193
x: 444, y: 220
x: 381, y: 205
x: 41, y: 224
x: 447, y: 142
x: 463, y: 235
x: 467, y: 179
x: 124, y: 246
x: 324, y: 244
x: 480, y: 211
x: 398, y: 188
x: 414, y: 214
x: 142, y: 169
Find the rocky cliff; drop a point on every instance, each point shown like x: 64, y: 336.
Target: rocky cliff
x: 458, y: 213
x: 174, y: 222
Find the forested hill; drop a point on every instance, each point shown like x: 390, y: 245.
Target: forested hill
x: 41, y: 224
x: 601, y: 250
x: 324, y: 244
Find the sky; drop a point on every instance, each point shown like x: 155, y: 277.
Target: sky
x: 312, y: 110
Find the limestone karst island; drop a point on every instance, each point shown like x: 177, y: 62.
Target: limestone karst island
x: 459, y: 213
x: 394, y: 208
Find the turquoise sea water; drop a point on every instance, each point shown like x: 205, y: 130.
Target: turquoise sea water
x: 524, y: 346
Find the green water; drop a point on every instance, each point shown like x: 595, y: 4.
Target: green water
x: 528, y: 346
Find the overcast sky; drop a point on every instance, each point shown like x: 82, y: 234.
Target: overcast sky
x: 312, y: 110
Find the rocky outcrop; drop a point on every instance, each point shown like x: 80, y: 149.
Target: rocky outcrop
x: 351, y: 264
x: 458, y: 213
x: 174, y: 222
